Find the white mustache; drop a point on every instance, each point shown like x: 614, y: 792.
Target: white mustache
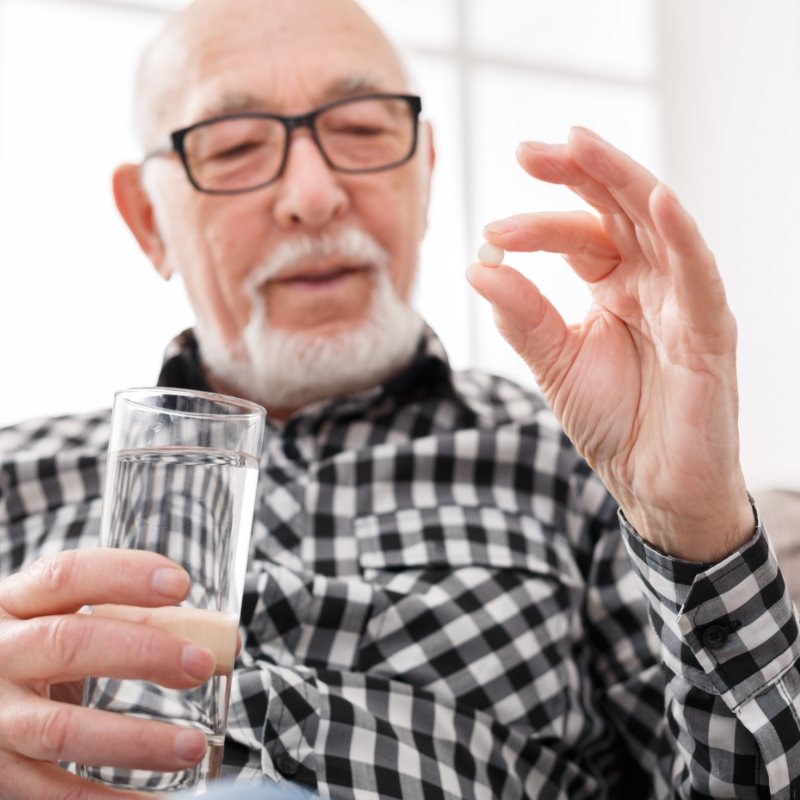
x: 351, y: 245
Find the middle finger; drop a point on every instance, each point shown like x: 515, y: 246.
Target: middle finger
x: 554, y: 163
x: 57, y: 649
x: 627, y: 181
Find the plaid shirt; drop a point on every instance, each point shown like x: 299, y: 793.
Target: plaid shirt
x: 440, y: 605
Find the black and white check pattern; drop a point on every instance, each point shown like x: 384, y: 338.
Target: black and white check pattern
x: 440, y: 605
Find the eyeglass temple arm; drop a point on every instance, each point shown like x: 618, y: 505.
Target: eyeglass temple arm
x: 159, y: 152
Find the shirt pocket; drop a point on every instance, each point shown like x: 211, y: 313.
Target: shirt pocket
x: 451, y: 537
x: 474, y: 603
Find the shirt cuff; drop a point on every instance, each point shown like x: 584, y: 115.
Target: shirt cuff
x: 727, y: 628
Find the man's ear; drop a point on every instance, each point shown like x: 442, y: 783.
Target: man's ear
x: 136, y: 208
x: 428, y: 153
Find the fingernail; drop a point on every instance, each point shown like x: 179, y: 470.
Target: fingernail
x: 668, y: 192
x: 170, y: 581
x: 501, y: 226
x: 586, y: 132
x: 190, y: 746
x: 197, y: 661
x: 532, y: 144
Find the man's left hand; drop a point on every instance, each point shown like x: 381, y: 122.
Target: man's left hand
x: 645, y: 386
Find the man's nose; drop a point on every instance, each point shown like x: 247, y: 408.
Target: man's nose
x: 309, y: 191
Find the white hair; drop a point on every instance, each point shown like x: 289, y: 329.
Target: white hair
x: 289, y: 369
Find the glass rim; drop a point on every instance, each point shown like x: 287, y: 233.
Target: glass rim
x: 249, y: 410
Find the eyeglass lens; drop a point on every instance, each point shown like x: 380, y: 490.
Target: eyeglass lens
x: 247, y: 151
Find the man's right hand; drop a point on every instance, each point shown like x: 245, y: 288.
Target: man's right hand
x: 46, y: 644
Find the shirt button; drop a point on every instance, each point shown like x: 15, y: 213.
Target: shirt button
x: 286, y: 765
x: 714, y: 637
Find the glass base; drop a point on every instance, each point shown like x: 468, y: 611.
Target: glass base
x: 197, y: 778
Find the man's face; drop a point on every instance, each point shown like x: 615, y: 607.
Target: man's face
x: 286, y: 62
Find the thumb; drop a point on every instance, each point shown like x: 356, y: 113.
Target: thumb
x: 526, y: 319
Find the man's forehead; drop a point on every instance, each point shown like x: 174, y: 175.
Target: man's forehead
x: 286, y: 61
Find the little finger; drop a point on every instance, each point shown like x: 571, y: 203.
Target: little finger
x: 22, y: 779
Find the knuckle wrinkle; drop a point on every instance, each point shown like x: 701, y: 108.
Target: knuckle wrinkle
x: 56, y: 571
x: 64, y: 639
x: 54, y: 733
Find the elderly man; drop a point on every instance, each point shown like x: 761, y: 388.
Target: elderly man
x: 440, y: 602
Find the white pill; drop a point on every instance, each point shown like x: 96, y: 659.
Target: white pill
x: 491, y: 255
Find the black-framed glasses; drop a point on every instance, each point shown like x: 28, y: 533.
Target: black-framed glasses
x: 241, y: 152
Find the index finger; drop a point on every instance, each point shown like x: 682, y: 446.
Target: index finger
x: 61, y: 584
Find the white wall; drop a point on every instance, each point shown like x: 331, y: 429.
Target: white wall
x: 82, y: 313
x: 730, y: 83
x: 725, y: 78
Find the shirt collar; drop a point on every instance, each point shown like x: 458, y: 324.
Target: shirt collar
x: 428, y: 375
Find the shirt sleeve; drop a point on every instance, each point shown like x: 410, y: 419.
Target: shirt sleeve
x: 729, y: 640
x: 51, y: 479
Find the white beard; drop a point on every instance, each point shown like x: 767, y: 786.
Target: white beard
x: 288, y: 370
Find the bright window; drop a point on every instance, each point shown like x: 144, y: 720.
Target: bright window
x: 83, y: 313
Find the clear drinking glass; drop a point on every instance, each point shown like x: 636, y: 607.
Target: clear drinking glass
x: 182, y: 475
